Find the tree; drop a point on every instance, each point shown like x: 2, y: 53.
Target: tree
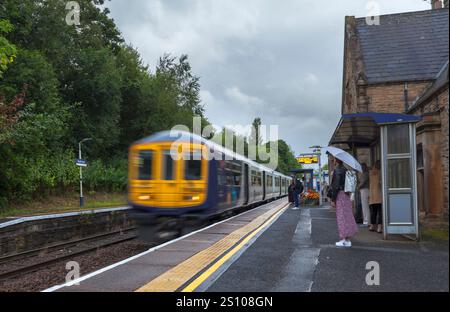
x: 286, y: 158
x: 9, y: 114
x: 255, y: 135
x: 7, y: 50
x: 95, y: 90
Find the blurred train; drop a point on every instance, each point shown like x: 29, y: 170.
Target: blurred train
x: 189, y: 175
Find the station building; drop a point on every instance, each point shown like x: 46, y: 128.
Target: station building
x: 400, y: 66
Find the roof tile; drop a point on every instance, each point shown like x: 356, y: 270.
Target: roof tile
x: 406, y: 46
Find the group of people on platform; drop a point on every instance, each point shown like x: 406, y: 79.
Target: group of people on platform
x: 295, y: 191
x: 371, y: 197
x: 369, y: 185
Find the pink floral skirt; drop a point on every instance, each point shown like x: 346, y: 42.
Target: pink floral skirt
x: 344, y: 214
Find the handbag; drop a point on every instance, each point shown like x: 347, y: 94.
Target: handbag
x: 350, y: 182
x: 330, y: 193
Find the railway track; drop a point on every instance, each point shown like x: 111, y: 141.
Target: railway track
x: 93, y: 243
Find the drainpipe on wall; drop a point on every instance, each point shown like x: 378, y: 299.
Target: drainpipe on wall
x: 405, y: 96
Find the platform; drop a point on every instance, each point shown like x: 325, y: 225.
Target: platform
x: 186, y: 263
x: 275, y: 248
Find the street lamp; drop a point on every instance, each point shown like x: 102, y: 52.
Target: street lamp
x: 81, y: 170
x: 316, y: 149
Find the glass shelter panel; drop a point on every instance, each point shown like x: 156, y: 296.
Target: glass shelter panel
x: 398, y: 139
x: 399, y: 173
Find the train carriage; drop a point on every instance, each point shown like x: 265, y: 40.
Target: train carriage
x: 175, y: 173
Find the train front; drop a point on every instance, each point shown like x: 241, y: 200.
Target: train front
x: 168, y: 176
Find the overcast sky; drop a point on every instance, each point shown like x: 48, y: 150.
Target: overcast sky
x: 278, y: 60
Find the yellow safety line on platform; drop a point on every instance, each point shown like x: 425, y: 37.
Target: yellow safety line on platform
x: 174, y: 278
x: 204, y: 276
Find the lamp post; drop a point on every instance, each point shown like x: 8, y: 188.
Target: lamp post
x: 81, y: 171
x: 316, y: 150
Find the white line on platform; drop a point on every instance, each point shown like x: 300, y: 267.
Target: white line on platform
x: 112, y: 266
x: 59, y: 215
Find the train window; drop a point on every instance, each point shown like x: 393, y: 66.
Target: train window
x: 168, y: 166
x: 193, y: 165
x: 145, y: 165
x: 256, y: 178
x: 259, y: 178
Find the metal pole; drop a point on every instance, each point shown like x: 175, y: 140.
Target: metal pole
x: 81, y: 177
x: 320, y: 179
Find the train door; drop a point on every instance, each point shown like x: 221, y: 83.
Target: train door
x: 264, y: 176
x: 246, y: 182
x: 169, y: 178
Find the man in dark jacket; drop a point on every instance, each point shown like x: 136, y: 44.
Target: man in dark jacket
x: 298, y: 189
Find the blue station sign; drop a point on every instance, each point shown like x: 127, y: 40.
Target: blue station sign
x: 81, y: 162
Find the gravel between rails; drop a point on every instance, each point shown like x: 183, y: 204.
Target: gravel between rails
x: 56, y: 274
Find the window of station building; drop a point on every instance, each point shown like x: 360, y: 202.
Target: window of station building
x: 419, y: 156
x: 168, y: 166
x: 193, y: 165
x: 145, y: 159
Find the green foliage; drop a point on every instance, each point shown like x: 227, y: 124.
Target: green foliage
x: 7, y: 50
x: 71, y: 82
x: 255, y: 135
x: 96, y: 90
x: 286, y: 158
x: 62, y: 83
x: 111, y: 177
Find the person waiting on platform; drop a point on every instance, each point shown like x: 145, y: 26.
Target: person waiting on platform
x: 291, y: 190
x: 344, y: 213
x: 375, y: 199
x: 298, y: 188
x: 363, y: 183
x: 304, y: 191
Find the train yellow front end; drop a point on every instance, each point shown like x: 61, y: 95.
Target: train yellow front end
x: 168, y: 176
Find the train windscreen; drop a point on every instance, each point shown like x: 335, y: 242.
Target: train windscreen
x: 193, y: 165
x: 145, y: 165
x: 168, y: 166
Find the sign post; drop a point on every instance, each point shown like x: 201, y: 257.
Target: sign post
x: 81, y: 163
x: 310, y: 159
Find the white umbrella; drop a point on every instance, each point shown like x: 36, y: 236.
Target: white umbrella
x: 344, y: 156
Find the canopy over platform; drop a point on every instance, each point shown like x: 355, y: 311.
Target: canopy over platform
x: 362, y: 129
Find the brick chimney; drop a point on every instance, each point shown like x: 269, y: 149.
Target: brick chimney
x: 436, y: 4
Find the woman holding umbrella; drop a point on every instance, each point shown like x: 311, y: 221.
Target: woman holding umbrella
x: 344, y: 213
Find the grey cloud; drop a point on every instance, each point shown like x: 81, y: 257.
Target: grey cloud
x: 278, y: 60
